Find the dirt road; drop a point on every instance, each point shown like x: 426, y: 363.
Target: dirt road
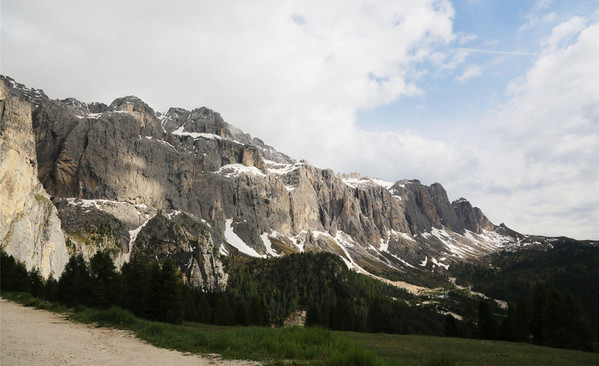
x: 37, y: 337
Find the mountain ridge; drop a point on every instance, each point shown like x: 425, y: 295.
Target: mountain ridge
x: 214, y: 190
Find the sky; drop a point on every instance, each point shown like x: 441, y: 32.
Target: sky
x: 496, y: 100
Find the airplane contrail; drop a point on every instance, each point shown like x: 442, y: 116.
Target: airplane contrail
x: 481, y: 50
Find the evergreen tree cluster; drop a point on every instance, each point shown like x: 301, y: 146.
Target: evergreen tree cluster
x: 333, y: 296
x: 266, y: 292
x: 259, y: 293
x: 150, y: 291
x: 550, y: 319
x: 15, y: 277
x: 550, y: 295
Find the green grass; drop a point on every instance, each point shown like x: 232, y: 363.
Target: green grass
x: 313, y: 346
x: 277, y: 346
x: 27, y: 299
x: 412, y: 349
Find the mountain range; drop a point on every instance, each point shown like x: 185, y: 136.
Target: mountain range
x: 81, y: 177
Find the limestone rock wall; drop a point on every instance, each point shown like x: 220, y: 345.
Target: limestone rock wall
x: 30, y: 229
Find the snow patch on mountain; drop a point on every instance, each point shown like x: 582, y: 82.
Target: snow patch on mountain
x: 268, y: 245
x: 343, y: 241
x: 181, y: 132
x: 356, y: 182
x: 132, y: 237
x: 401, y: 260
x: 100, y: 203
x: 172, y: 214
x: 384, y: 246
x: 235, y: 170
x: 279, y: 168
x: 405, y: 236
x: 439, y: 264
x: 237, y: 242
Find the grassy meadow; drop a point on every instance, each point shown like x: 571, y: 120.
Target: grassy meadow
x: 411, y: 349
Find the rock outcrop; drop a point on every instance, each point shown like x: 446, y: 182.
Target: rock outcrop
x: 186, y: 241
x: 29, y: 225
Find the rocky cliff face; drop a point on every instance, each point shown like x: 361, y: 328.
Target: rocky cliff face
x: 187, y: 241
x: 188, y: 185
x: 29, y: 225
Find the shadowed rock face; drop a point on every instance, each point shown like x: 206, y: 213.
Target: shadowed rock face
x: 186, y: 241
x: 202, y: 186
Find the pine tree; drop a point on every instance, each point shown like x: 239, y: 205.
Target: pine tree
x: 165, y: 299
x: 135, y: 279
x: 222, y: 310
x: 313, y: 315
x: 203, y: 310
x: 153, y: 301
x: 50, y: 289
x: 8, y: 266
x: 519, y: 325
x: 537, y: 317
x: 190, y: 305
x: 105, y: 281
x: 172, y: 298
x: 20, y: 282
x: 487, y: 328
x: 36, y: 283
x: 376, y: 317
x: 256, y: 314
x: 342, y: 316
x: 451, y: 326
x: 74, y: 284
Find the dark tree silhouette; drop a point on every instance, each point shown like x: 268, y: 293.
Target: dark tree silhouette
x: 74, y: 284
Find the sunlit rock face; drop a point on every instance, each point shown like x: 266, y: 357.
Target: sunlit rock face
x: 29, y: 225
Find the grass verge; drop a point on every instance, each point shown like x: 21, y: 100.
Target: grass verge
x: 314, y: 346
x: 275, y: 346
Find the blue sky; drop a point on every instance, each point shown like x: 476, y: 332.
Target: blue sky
x: 498, y: 100
x: 494, y: 26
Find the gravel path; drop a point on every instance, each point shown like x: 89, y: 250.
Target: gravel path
x: 37, y: 337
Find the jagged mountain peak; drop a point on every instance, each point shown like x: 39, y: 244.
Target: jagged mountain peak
x: 32, y: 95
x: 460, y: 200
x: 130, y: 104
x: 95, y: 107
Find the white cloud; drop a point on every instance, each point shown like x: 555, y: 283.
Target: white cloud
x: 296, y: 73
x: 265, y: 66
x: 534, y: 17
x: 464, y: 38
x: 286, y: 71
x: 564, y: 32
x: 470, y: 71
x: 540, y: 167
x: 548, y: 18
x: 449, y: 60
x: 542, y: 4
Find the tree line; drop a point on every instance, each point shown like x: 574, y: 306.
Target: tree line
x: 258, y: 293
x: 266, y: 292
